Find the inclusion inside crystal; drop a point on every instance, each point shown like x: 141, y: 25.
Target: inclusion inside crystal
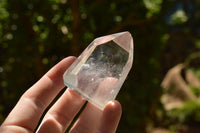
x: 99, y: 72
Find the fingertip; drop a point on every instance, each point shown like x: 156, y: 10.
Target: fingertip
x: 55, y: 74
x: 113, y: 107
x: 110, y: 117
x: 69, y: 58
x: 114, y: 104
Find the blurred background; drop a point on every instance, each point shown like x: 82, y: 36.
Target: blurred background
x: 161, y: 93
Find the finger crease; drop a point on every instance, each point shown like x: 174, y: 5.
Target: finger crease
x: 62, y: 119
x: 36, y: 103
x: 28, y: 129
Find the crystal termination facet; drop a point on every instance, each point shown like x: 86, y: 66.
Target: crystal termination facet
x: 99, y: 72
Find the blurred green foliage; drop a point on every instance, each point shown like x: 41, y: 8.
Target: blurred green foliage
x: 184, y: 115
x: 35, y: 35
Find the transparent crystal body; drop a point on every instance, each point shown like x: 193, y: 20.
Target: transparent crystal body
x: 99, y: 72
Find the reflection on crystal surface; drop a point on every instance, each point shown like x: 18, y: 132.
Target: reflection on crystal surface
x: 99, y: 72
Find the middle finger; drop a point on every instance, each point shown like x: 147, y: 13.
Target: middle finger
x: 61, y: 113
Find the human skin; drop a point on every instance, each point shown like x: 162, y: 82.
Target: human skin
x: 25, y: 116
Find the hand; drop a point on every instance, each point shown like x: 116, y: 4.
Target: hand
x: 26, y: 114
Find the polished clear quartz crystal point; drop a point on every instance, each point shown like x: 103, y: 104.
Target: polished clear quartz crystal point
x: 99, y: 72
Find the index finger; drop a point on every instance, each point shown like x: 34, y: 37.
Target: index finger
x: 33, y: 102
